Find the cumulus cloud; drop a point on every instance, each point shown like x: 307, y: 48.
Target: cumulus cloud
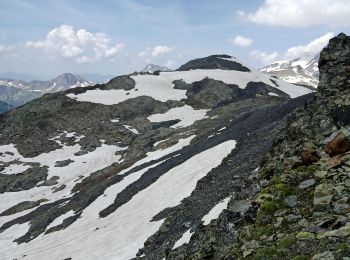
x: 81, y: 46
x: 241, y: 41
x: 306, y: 51
x: 301, y: 13
x: 6, y: 48
x: 151, y: 53
x: 310, y: 49
x: 161, y: 49
x: 263, y: 57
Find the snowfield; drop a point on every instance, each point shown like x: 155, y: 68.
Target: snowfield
x: 122, y: 233
x: 82, y: 166
x: 161, y: 87
x: 186, y: 114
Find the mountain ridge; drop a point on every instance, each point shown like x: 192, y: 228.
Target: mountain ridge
x: 18, y: 92
x: 301, y: 71
x: 119, y: 161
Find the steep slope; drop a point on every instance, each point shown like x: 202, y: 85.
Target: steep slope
x: 4, y: 107
x: 301, y: 71
x: 127, y: 168
x: 296, y: 205
x: 18, y: 92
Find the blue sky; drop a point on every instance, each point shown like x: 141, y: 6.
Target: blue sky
x: 46, y: 38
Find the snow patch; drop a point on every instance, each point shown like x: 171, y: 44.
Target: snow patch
x: 126, y: 230
x: 216, y: 211
x: 186, y: 114
x: 186, y: 237
x: 131, y: 129
x: 161, y: 87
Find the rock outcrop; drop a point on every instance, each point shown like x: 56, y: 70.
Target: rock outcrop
x: 302, y: 207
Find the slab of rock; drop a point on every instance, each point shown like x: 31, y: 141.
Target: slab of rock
x: 328, y: 255
x: 63, y: 163
x: 309, y: 156
x: 340, y: 144
x: 292, y: 201
x: 335, y: 161
x: 307, y: 183
x: 323, y: 194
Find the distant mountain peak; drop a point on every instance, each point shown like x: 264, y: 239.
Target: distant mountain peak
x: 300, y: 71
x: 18, y: 92
x: 151, y: 68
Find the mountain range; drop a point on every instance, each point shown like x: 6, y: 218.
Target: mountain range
x: 300, y: 71
x: 213, y: 160
x: 107, y: 167
x: 18, y: 92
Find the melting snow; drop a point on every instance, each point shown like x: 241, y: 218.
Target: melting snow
x: 186, y: 237
x: 60, y: 219
x: 186, y: 114
x: 125, y: 231
x: 161, y: 87
x: 130, y: 128
x: 15, y: 169
x: 216, y: 211
x: 83, y: 165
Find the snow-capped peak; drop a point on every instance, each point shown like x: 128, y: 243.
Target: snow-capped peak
x: 301, y: 71
x: 151, y: 68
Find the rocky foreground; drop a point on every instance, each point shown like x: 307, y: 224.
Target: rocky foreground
x: 301, y: 208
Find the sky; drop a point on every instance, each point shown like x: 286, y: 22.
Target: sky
x: 44, y: 38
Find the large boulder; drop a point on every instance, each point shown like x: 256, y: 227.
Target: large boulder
x: 338, y: 145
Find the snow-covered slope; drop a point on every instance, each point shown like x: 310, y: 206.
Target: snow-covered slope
x: 161, y: 87
x: 301, y: 71
x: 135, y: 166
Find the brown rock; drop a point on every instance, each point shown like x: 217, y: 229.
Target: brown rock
x: 309, y: 156
x: 335, y: 161
x: 340, y: 144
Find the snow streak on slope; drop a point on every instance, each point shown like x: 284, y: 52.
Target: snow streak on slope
x: 186, y: 114
x: 186, y: 237
x: 81, y: 166
x: 121, y: 234
x: 215, y: 211
x: 161, y: 87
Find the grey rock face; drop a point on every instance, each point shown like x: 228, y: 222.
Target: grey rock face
x: 334, y: 67
x: 214, y: 62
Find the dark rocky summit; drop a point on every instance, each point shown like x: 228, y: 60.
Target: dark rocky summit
x: 214, y: 62
x: 300, y: 209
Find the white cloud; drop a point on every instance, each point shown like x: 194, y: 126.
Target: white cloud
x: 301, y: 13
x: 310, y: 49
x: 305, y: 52
x: 6, y: 49
x: 263, y: 57
x: 82, y: 46
x: 241, y: 41
x: 161, y: 49
x: 151, y: 53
